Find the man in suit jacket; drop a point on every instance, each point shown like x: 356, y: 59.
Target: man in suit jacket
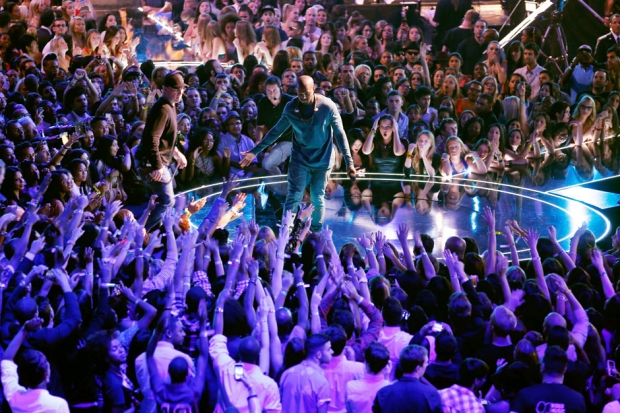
x: 610, y: 39
x: 44, y: 33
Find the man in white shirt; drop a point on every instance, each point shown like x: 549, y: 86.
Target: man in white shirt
x: 33, y: 397
x: 391, y: 335
x: 532, y: 69
x: 164, y: 354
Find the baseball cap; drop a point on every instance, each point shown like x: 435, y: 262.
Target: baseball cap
x: 267, y: 8
x: 175, y: 80
x: 233, y: 115
x: 585, y: 47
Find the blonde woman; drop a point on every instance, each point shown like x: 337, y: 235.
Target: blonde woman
x: 59, y: 46
x: 450, y: 88
x: 68, y: 10
x: 583, y: 120
x: 421, y: 156
x: 267, y: 49
x: 201, y: 33
x: 77, y: 29
x: 459, y: 161
x: 211, y: 44
x: 290, y: 14
x: 93, y: 43
x: 294, y: 53
x: 245, y: 39
x: 34, y: 12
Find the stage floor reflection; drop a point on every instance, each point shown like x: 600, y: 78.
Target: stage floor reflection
x: 438, y: 207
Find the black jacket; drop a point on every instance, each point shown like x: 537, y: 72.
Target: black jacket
x: 160, y: 135
x: 602, y: 44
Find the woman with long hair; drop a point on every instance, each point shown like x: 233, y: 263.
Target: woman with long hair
x: 68, y: 10
x: 204, y: 165
x: 449, y: 88
x: 421, y: 156
x: 13, y: 187
x: 59, y: 192
x: 383, y: 142
x: 367, y: 29
x: 245, y: 39
x: 77, y: 29
x: 518, y: 148
x: 281, y: 62
x: 380, y: 90
x: 290, y: 14
x: 211, y: 44
x: 112, y: 42
x: 472, y: 131
x: 109, y: 166
x: 267, y: 48
x: 583, y: 119
x: 106, y: 21
x: 510, y: 87
x: 514, y: 56
x: 459, y: 161
x: 328, y: 44
x: 438, y: 77
x: 491, y: 86
x: 227, y: 30
x: 93, y: 43
x: 59, y: 46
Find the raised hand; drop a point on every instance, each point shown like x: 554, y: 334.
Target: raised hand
x: 402, y: 233
x: 287, y: 280
x: 532, y: 237
x: 380, y: 240
x: 553, y: 233
x: 305, y: 211
x: 298, y: 273
x: 489, y: 218
x: 287, y: 219
x: 364, y: 242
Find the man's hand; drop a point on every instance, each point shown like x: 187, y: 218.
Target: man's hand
x: 352, y: 173
x: 158, y: 174
x: 248, y: 157
x: 180, y: 158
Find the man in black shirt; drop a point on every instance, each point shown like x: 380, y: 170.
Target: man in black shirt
x: 484, y: 109
x: 471, y: 49
x: 157, y: 150
x: 270, y: 110
x: 551, y: 394
x: 309, y: 67
x: 455, y: 36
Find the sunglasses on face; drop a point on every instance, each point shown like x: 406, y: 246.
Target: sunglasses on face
x: 411, y: 52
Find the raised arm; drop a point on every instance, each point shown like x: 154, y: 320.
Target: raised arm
x: 368, y: 145
x: 403, y: 233
x: 302, y: 296
x: 429, y: 268
x: 532, y: 238
x: 599, y: 263
x: 568, y: 262
x: 514, y: 254
x: 489, y: 218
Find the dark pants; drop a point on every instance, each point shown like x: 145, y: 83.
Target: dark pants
x: 165, y: 196
x: 299, y: 177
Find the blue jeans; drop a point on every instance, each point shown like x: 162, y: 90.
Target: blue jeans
x: 299, y: 177
x: 165, y: 197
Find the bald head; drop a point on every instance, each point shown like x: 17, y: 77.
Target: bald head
x: 456, y: 245
x: 249, y: 349
x: 305, y: 90
x: 552, y: 320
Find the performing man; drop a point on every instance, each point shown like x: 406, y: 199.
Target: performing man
x: 315, y: 120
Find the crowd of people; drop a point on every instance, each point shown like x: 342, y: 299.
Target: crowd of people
x: 104, y: 311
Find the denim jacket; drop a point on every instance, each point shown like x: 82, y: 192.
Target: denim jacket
x: 312, y: 138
